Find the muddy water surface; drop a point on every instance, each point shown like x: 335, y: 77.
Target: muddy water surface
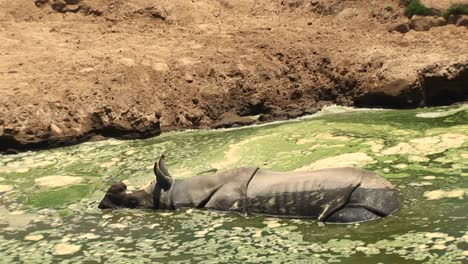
x: 48, y: 199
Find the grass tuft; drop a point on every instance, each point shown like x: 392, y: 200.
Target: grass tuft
x: 458, y: 9
x: 415, y: 7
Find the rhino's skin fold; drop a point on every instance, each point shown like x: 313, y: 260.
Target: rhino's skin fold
x: 329, y: 195
x: 225, y: 191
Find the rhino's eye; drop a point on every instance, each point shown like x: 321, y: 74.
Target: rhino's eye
x: 121, y: 188
x: 115, y: 198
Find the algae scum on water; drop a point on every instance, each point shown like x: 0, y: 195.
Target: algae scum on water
x: 48, y: 200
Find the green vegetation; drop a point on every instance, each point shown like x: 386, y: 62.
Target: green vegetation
x: 415, y: 7
x: 389, y: 8
x: 59, y: 197
x: 458, y: 9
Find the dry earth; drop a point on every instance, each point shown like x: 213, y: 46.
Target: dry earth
x: 70, y: 71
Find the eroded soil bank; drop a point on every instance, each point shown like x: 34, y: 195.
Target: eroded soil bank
x: 75, y: 69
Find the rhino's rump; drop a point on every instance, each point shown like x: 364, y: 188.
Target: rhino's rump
x: 376, y: 195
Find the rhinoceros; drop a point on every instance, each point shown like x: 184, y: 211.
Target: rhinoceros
x: 340, y: 195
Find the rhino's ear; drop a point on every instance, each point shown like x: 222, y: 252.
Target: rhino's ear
x: 162, y: 178
x: 162, y: 166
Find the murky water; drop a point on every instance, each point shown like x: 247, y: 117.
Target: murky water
x: 48, y: 200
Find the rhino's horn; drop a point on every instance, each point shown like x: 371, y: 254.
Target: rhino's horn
x: 162, y: 178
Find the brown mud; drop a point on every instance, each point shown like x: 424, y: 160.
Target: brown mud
x: 76, y: 70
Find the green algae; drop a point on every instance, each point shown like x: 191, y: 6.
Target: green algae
x: 58, y: 197
x: 426, y: 231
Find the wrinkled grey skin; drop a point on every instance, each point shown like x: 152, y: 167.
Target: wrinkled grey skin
x: 341, y: 195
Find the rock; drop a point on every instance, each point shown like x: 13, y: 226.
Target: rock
x: 96, y: 138
x: 188, y: 77
x: 90, y: 10
x: 348, y: 13
x: 40, y: 3
x: 195, y: 116
x: 293, y: 3
x: 439, y: 22
x: 444, y: 85
x: 129, y: 62
x: 59, y: 6
x: 157, y: 14
x: 265, y: 118
x: 398, y: 93
x: 402, y: 27
x: 231, y: 120
x: 72, y: 8
x: 160, y: 66
x: 452, y: 19
x: 294, y: 113
x: 182, y: 120
x: 72, y: 2
x: 55, y: 130
x: 87, y: 70
x: 424, y: 23
x: 462, y: 21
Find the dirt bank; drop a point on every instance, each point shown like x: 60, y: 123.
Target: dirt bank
x: 73, y: 69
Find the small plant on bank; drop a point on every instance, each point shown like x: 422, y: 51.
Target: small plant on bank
x: 456, y: 10
x: 415, y: 7
x: 389, y: 8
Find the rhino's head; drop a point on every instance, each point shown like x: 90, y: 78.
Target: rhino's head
x: 117, y: 196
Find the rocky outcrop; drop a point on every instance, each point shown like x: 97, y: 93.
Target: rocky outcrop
x: 402, y: 27
x: 424, y: 23
x: 435, y: 14
x: 22, y: 133
x: 400, y: 93
x: 437, y: 85
x: 445, y: 85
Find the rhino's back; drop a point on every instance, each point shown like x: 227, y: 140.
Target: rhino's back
x: 308, y: 194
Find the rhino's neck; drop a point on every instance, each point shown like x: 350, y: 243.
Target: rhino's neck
x: 162, y: 199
